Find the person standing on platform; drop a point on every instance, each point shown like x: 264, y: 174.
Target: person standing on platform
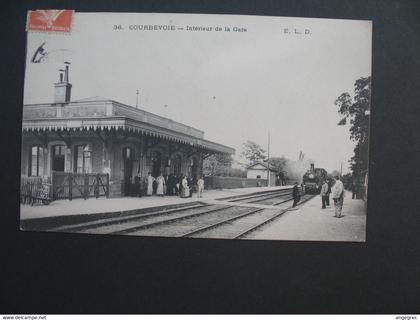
x: 353, y: 190
x: 190, y: 186
x: 169, y: 187
x: 338, y: 196
x: 160, y: 181
x: 138, y: 182
x: 324, y: 194
x: 179, y: 180
x: 200, y: 187
x: 173, y: 185
x: 185, y: 191
x: 296, y: 194
x: 154, y: 185
x: 328, y: 193
x: 165, y: 184
x: 150, y: 181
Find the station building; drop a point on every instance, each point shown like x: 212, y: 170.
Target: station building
x: 259, y: 170
x: 98, y: 135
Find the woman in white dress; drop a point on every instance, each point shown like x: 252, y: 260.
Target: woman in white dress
x: 185, y: 188
x: 160, y: 183
x: 150, y: 180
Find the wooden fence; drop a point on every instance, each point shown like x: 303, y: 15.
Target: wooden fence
x: 68, y: 185
x: 34, y: 190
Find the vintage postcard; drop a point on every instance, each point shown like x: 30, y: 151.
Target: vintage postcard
x: 194, y: 125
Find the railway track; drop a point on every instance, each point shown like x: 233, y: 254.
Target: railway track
x: 108, y: 224
x: 270, y: 198
x: 182, y: 227
x: 198, y: 220
x: 256, y: 195
x: 241, y: 226
x: 262, y: 223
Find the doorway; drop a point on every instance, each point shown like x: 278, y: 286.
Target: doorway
x: 194, y: 168
x: 156, y: 163
x: 58, y: 158
x: 177, y: 161
x: 128, y: 169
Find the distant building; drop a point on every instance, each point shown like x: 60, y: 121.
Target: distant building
x: 258, y: 170
x: 99, y: 135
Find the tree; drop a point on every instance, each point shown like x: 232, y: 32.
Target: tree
x: 347, y: 180
x: 216, y: 164
x: 279, y: 165
x: 355, y: 110
x: 253, y: 152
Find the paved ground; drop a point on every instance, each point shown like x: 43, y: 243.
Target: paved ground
x: 312, y: 223
x: 92, y: 205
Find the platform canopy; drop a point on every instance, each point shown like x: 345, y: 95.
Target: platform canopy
x: 101, y: 114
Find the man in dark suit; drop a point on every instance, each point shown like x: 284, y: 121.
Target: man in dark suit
x: 190, y: 185
x: 179, y: 182
x: 296, y: 194
x: 324, y: 194
x: 328, y: 194
x: 170, y: 185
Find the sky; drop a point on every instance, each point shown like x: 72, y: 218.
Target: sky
x: 235, y: 86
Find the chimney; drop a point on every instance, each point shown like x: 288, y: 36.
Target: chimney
x: 62, y: 89
x: 312, y: 167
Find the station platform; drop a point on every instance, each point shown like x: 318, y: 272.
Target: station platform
x: 311, y: 223
x: 104, y: 205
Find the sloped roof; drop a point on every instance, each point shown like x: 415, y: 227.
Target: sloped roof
x: 264, y: 164
x: 101, y: 113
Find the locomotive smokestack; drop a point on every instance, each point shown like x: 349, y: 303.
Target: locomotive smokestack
x: 312, y: 167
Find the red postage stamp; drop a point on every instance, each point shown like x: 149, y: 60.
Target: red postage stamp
x: 49, y: 20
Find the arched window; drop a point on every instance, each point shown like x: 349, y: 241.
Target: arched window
x: 36, y: 166
x: 177, y: 161
x: 127, y: 153
x: 156, y: 158
x: 82, y: 159
x: 193, y: 168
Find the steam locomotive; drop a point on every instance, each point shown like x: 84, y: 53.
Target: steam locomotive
x: 313, y: 179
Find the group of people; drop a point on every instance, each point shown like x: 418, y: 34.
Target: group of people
x: 169, y: 185
x: 337, y: 191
